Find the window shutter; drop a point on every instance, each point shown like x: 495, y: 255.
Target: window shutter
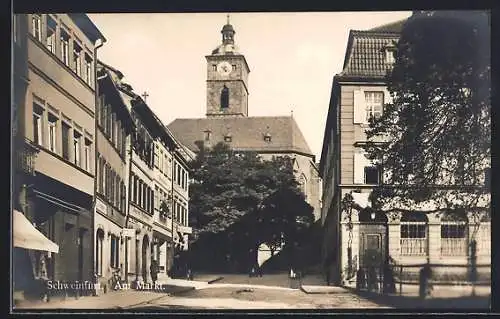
x: 359, y: 107
x: 360, y: 162
x: 358, y: 168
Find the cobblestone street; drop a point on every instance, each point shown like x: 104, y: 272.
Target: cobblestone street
x: 238, y: 291
x: 232, y: 292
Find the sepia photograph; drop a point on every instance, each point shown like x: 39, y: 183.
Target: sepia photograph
x: 271, y: 161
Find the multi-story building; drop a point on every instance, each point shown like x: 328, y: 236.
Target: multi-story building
x: 181, y: 158
x: 114, y: 129
x: 138, y: 226
x: 54, y: 105
x: 406, y: 236
x: 171, y: 192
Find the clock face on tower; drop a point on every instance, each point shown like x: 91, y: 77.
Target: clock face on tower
x: 224, y: 68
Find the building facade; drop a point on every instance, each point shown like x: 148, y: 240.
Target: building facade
x: 171, y: 191
x: 114, y: 129
x: 227, y: 119
x: 405, y: 236
x: 54, y: 105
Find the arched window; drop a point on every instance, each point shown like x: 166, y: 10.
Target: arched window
x: 99, y: 239
x: 303, y: 185
x: 454, y: 234
x: 224, y: 98
x: 414, y: 234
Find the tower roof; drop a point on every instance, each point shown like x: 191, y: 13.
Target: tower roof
x: 227, y: 46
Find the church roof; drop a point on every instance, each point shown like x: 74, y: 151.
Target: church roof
x: 247, y: 133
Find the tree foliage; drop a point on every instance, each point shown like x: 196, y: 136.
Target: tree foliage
x: 437, y: 128
x: 227, y: 185
x: 283, y: 218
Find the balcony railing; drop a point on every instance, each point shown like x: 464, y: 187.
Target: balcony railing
x: 453, y: 246
x: 414, y: 246
x: 25, y: 153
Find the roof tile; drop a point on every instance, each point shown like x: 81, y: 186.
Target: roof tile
x: 247, y: 133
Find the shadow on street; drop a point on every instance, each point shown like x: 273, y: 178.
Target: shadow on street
x: 414, y: 302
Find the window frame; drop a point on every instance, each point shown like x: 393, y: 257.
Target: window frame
x: 452, y: 245
x: 52, y: 132
x: 65, y: 134
x: 77, y: 63
x: 88, y: 62
x: 36, y: 26
x: 389, y: 55
x: 87, y: 144
x: 51, y: 45
x: 65, y: 39
x: 224, y: 98
x: 38, y: 137
x: 371, y: 104
x: 77, y: 147
x: 376, y: 171
x: 413, y: 231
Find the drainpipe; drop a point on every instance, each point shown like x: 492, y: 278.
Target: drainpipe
x: 99, y: 43
x: 128, y: 206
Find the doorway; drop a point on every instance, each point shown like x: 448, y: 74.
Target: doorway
x: 373, y: 246
x: 145, y: 246
x: 81, y: 236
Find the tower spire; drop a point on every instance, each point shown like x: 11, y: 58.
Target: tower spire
x: 227, y: 32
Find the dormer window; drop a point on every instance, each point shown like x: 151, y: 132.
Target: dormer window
x: 207, y: 135
x: 267, y: 138
x: 390, y: 53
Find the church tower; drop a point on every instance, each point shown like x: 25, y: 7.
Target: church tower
x: 227, y: 78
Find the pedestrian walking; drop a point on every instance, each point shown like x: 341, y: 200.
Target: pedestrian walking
x: 154, y: 271
x: 259, y: 271
x: 252, y: 272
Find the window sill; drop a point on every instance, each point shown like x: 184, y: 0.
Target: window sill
x: 151, y: 214
x: 59, y: 157
x: 105, y: 199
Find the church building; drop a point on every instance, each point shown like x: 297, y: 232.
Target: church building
x: 227, y: 119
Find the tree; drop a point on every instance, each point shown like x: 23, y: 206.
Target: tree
x: 227, y: 185
x: 283, y: 218
x: 437, y: 130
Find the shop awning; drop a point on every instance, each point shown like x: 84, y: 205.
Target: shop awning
x: 28, y: 237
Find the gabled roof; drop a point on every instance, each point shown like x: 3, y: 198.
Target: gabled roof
x: 364, y: 61
x: 365, y: 56
x: 109, y: 84
x: 247, y: 133
x: 87, y: 26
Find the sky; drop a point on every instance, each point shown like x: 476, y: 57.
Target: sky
x: 292, y: 58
